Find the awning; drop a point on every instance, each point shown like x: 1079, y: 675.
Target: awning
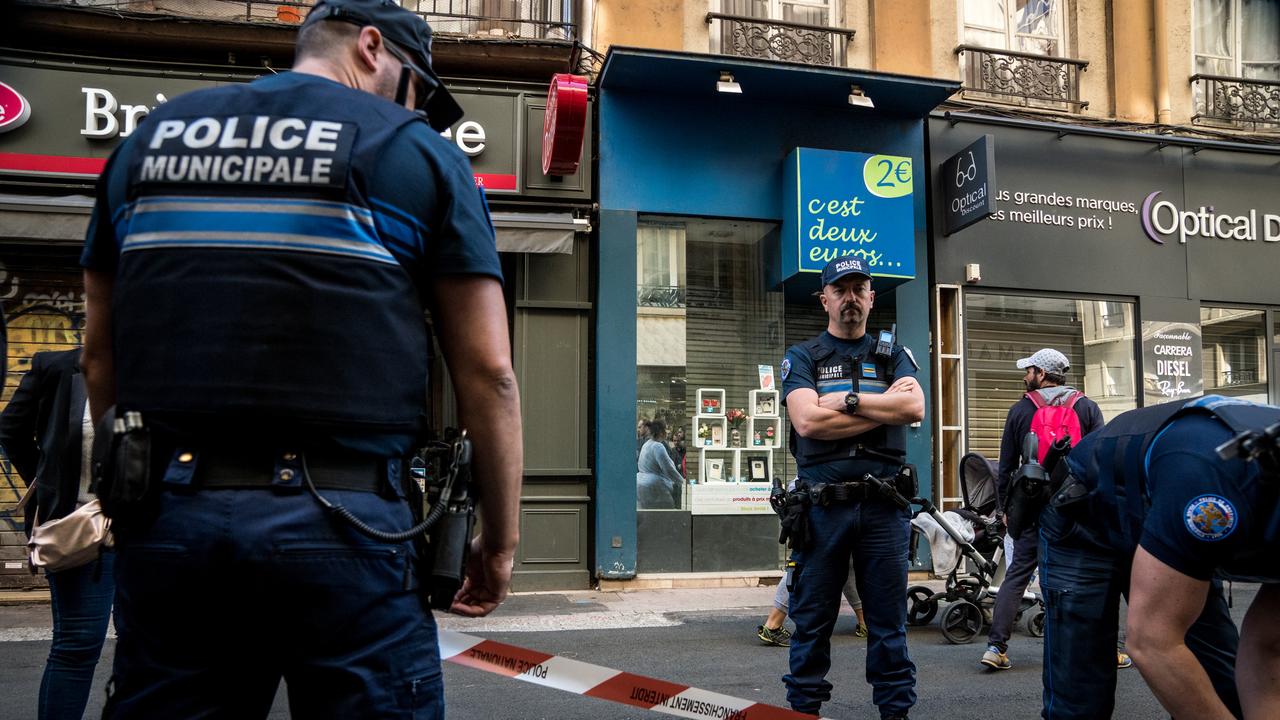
x: 65, y: 219
x: 537, y: 232
x: 47, y: 219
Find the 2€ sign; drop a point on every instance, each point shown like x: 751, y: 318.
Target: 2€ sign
x: 14, y: 109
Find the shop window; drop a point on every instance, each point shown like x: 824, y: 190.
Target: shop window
x: 1097, y: 337
x: 1235, y: 352
x: 717, y: 340
x: 660, y: 266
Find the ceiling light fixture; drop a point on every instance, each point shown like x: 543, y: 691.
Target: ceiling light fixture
x: 858, y: 98
x: 726, y: 84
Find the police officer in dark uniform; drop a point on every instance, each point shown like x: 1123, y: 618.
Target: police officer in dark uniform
x: 1150, y: 509
x: 848, y: 406
x: 257, y: 269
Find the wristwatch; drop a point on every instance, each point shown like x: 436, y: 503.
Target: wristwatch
x: 851, y: 403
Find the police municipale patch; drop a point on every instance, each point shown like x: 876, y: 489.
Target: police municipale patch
x: 1210, y: 517
x: 786, y: 368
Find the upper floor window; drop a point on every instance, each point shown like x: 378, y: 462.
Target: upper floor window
x: 1238, y: 38
x: 1031, y: 26
x: 805, y: 31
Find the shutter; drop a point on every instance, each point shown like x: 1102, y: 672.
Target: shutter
x: 995, y: 341
x: 43, y: 296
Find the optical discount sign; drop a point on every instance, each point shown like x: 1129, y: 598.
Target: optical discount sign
x: 847, y: 203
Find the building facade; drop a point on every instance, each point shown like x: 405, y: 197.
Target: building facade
x: 83, y: 77
x: 1117, y: 130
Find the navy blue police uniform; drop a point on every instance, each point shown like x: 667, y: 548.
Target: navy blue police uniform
x: 273, y: 245
x: 870, y: 529
x: 1152, y: 478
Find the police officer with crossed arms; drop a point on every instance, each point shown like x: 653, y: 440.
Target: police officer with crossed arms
x: 848, y: 406
x: 1148, y: 507
x: 257, y: 269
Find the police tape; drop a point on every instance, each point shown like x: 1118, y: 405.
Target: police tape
x: 603, y: 683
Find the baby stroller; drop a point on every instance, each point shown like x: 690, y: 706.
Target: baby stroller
x: 979, y: 539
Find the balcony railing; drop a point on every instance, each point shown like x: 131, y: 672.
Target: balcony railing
x: 540, y: 19
x: 1023, y: 78
x: 1237, y: 101
x: 767, y: 39
x: 660, y: 296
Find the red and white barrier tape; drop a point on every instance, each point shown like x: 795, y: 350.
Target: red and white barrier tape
x: 604, y: 683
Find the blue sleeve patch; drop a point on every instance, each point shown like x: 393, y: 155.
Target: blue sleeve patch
x: 1210, y: 518
x: 786, y: 368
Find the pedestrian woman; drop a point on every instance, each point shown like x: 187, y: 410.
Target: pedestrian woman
x: 658, y: 482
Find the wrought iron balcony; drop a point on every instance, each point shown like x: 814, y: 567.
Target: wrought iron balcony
x: 1237, y: 101
x: 660, y: 296
x: 502, y: 18
x: 1023, y: 78
x: 767, y: 39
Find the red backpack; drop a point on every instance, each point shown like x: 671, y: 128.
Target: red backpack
x: 1053, y: 421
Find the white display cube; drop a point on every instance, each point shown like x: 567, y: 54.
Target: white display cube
x: 716, y: 434
x: 764, y: 403
x: 758, y: 433
x: 710, y: 401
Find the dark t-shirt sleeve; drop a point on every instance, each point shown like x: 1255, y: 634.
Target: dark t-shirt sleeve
x: 797, y: 370
x: 102, y: 242
x: 903, y: 366
x: 1198, y: 515
x: 438, y: 223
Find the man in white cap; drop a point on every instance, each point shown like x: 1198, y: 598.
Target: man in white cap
x: 1047, y: 395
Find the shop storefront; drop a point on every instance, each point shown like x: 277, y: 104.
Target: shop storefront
x: 77, y: 112
x: 1149, y: 260
x: 725, y: 185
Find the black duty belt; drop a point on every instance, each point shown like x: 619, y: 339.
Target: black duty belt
x: 221, y: 469
x: 833, y: 493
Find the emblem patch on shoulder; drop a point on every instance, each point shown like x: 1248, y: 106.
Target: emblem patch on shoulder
x: 1210, y: 517
x: 786, y: 368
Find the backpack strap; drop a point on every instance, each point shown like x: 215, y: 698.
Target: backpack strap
x: 1036, y: 399
x: 1075, y: 396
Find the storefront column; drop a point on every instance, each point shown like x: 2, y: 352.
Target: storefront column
x: 615, y: 397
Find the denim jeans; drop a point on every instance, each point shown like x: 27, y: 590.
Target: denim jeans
x: 875, y: 534
x: 1083, y: 580
x: 81, y: 601
x: 229, y: 590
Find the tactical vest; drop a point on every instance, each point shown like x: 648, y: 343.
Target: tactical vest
x: 881, y: 444
x: 254, y: 285
x: 1115, y: 472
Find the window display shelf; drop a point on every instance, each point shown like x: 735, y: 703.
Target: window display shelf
x: 764, y: 403
x: 710, y: 431
x: 735, y: 465
x: 758, y: 432
x: 710, y: 401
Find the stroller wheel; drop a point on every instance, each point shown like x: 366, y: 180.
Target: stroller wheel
x: 1035, y: 622
x: 961, y: 622
x: 921, y: 607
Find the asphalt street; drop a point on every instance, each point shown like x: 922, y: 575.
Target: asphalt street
x: 710, y: 648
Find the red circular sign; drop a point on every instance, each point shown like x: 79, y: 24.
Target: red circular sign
x: 14, y: 109
x: 565, y: 124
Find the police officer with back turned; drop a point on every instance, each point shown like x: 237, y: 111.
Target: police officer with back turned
x: 849, y: 396
x: 256, y: 270
x: 1160, y: 506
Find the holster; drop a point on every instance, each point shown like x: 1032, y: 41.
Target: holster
x: 443, y: 551
x: 1028, y: 494
x: 122, y: 470
x: 794, y: 515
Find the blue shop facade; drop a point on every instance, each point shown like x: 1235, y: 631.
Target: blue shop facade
x: 725, y: 184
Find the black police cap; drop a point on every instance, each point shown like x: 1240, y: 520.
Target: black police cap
x: 407, y: 30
